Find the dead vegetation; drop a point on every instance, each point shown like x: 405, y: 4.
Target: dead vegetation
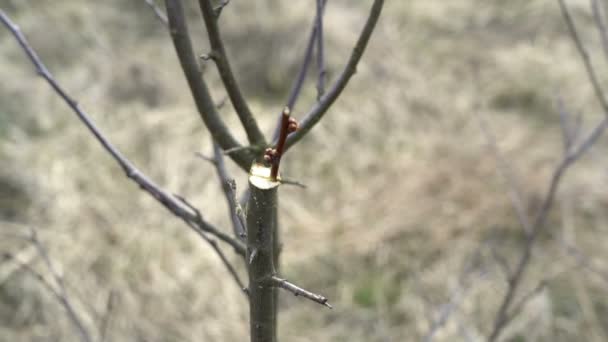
x: 408, y: 214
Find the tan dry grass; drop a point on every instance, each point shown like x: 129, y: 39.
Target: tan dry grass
x: 403, y: 194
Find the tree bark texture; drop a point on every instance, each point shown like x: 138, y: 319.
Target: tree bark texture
x: 261, y: 253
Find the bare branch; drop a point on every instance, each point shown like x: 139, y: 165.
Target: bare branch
x: 220, y: 58
x: 464, y: 286
x: 321, y: 107
x: 105, y: 319
x: 503, y: 317
x: 583, y: 260
x: 59, y: 294
x: 226, y: 263
x: 200, y: 92
x: 600, y: 22
x: 240, y: 149
x: 229, y: 187
x: 519, y: 306
x: 570, y: 126
x: 320, y: 50
x: 505, y: 171
x: 599, y: 94
x: 158, y: 12
x: 298, y: 82
x: 273, y: 155
x: 218, y: 10
x: 190, y: 216
x: 538, y: 226
x: 293, y: 182
x: 298, y: 291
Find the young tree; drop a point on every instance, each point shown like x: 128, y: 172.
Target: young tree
x: 256, y: 235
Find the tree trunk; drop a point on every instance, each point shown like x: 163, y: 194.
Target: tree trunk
x: 261, y: 253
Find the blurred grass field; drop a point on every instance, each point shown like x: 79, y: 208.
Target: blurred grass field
x: 405, y: 209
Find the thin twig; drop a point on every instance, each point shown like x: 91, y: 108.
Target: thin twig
x: 293, y: 182
x: 168, y: 201
x: 275, y: 155
x: 600, y: 22
x: 505, y: 171
x: 235, y: 150
x: 220, y: 58
x: 213, y: 244
x: 538, y: 226
x: 464, y: 286
x: 226, y: 262
x: 519, y: 306
x: 200, y: 92
x: 229, y: 188
x: 218, y: 10
x: 107, y: 316
x: 298, y: 291
x: 298, y: 82
x: 320, y: 50
x: 502, y: 316
x: 583, y: 260
x: 158, y: 12
x: 59, y: 294
x: 321, y: 107
x: 599, y: 94
x: 504, y: 168
x: 570, y: 130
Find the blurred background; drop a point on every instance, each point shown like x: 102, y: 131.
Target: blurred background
x: 406, y: 220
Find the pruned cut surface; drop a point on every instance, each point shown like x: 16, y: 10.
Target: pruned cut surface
x: 259, y: 176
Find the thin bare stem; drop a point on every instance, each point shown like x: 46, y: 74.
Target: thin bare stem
x: 503, y: 316
x: 275, y: 157
x: 220, y: 58
x: 298, y: 82
x: 59, y: 294
x: 229, y: 188
x: 293, y: 182
x: 158, y: 12
x: 169, y: 201
x: 599, y: 94
x: 107, y: 316
x: 320, y: 49
x: 538, y: 226
x: 227, y: 263
x: 200, y: 92
x: 600, y: 22
x: 300, y: 292
x: 321, y: 107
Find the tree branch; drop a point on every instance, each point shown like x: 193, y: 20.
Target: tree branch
x: 219, y: 56
x: 599, y: 94
x: 175, y: 206
x: 321, y: 107
x: 237, y: 217
x: 59, y: 293
x: 538, y: 225
x: 299, y: 292
x: 320, y: 50
x: 298, y: 82
x: 158, y: 12
x: 198, y: 87
x: 261, y: 253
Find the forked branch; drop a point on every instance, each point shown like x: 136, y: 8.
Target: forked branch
x: 200, y: 92
x: 219, y: 56
x: 507, y: 309
x: 171, y: 202
x: 321, y: 107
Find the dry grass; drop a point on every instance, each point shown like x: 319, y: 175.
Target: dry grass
x: 404, y: 207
